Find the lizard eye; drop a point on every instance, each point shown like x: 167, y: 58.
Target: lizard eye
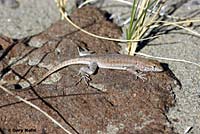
x: 154, y: 67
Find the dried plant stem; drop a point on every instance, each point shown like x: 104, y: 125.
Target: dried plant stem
x: 64, y: 14
x: 36, y: 107
x: 168, y: 59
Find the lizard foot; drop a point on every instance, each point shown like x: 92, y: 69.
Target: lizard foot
x: 141, y: 76
x: 138, y: 74
x: 85, y: 77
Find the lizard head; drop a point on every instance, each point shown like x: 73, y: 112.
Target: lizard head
x: 153, y: 66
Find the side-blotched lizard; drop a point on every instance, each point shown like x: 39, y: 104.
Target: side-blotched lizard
x: 135, y: 65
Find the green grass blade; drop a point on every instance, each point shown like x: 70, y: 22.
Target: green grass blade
x: 133, y: 14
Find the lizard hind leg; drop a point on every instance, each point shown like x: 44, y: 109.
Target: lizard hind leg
x: 85, y: 72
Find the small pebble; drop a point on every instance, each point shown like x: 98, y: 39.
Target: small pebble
x: 36, y: 43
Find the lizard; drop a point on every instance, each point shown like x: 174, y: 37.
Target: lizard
x: 133, y: 64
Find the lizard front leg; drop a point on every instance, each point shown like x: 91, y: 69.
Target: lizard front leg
x: 137, y: 73
x: 85, y: 72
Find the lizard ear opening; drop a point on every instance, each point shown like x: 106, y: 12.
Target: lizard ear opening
x: 17, y: 86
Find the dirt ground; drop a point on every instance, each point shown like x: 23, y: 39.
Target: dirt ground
x: 128, y: 103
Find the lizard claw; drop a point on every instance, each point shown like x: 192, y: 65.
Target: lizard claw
x: 85, y: 77
x: 141, y: 76
x: 137, y: 74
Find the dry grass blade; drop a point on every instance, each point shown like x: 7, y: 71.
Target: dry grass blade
x: 140, y: 21
x: 62, y: 4
x: 177, y: 24
x: 65, y: 15
x: 169, y: 59
x: 36, y: 107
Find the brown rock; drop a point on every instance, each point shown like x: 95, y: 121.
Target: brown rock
x: 117, y: 103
